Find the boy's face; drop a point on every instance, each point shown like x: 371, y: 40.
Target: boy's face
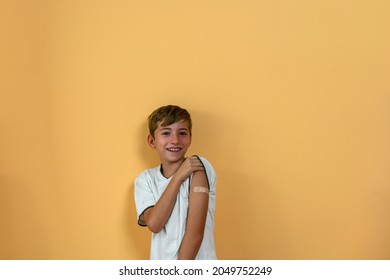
x: 171, y: 142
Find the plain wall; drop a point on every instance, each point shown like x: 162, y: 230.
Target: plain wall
x: 289, y: 99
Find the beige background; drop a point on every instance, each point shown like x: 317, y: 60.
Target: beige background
x: 290, y: 102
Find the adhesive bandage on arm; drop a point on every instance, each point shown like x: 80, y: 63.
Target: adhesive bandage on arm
x: 199, y: 189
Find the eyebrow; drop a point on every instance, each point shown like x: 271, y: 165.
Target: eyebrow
x: 168, y: 128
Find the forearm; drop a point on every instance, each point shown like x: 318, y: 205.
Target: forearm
x: 190, y: 246
x: 157, y: 216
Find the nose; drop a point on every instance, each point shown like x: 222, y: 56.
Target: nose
x: 174, y: 139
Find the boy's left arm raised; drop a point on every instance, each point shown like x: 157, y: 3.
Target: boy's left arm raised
x: 197, y: 214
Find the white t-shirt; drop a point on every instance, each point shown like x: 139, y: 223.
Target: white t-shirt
x: 149, y: 186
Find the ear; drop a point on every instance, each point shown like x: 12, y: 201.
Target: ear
x: 151, y: 142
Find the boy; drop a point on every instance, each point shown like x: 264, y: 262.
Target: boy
x: 176, y: 200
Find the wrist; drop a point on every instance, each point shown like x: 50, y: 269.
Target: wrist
x: 177, y: 179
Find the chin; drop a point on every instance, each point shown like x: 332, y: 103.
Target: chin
x: 175, y: 158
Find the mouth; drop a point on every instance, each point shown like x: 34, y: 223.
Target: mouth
x: 174, y: 150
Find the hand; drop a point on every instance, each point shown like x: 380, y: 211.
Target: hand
x: 189, y: 166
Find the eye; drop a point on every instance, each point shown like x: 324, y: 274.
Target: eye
x: 183, y: 133
x: 165, y: 133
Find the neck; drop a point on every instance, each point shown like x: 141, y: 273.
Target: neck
x: 169, y: 168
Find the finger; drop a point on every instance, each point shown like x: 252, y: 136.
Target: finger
x: 197, y: 163
x: 199, y: 168
x: 196, y: 158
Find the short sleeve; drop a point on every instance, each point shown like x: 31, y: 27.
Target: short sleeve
x: 144, y: 198
x: 210, y: 173
x: 212, y: 180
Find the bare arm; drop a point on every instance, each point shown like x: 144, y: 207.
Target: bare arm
x: 157, y: 216
x: 196, y: 220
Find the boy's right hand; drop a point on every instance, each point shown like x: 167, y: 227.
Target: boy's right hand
x: 189, y: 166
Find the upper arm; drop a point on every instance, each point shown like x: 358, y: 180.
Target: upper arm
x: 198, y: 204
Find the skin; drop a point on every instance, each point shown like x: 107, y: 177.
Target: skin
x: 171, y: 143
x: 196, y: 220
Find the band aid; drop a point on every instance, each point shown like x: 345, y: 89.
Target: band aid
x: 201, y: 189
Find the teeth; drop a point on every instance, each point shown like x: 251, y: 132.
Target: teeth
x: 174, y: 149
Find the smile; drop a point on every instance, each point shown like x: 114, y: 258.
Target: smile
x: 174, y: 149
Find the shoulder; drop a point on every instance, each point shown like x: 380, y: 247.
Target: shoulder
x: 205, y: 162
x: 147, y: 175
x: 210, y: 172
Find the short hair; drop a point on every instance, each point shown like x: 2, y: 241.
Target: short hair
x: 168, y: 115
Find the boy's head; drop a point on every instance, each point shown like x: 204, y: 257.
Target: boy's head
x: 168, y: 115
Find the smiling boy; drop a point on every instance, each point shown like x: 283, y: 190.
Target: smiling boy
x: 176, y: 200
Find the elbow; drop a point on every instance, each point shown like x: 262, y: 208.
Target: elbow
x: 154, y: 227
x: 152, y: 223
